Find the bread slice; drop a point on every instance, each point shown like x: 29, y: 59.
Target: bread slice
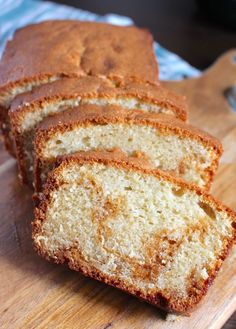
x: 47, y: 51
x: 30, y: 109
x: 140, y: 230
x: 159, y: 140
x: 6, y: 97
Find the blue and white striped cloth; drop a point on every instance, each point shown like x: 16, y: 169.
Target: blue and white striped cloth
x: 17, y: 13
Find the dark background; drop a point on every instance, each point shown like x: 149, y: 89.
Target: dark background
x: 196, y: 35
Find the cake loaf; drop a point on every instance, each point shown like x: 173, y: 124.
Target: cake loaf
x: 140, y: 230
x: 47, y: 51
x: 29, y: 109
x: 160, y: 140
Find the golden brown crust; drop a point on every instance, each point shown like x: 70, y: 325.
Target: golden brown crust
x: 159, y: 300
x: 6, y: 131
x: 86, y: 88
x: 118, y: 160
x: 92, y: 87
x: 74, y: 48
x: 89, y: 113
x: 92, y: 114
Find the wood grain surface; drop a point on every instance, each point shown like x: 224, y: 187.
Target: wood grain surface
x: 37, y: 294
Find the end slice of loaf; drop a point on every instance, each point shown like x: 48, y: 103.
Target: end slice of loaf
x: 143, y: 231
x: 72, y: 48
x: 159, y: 140
x: 29, y: 109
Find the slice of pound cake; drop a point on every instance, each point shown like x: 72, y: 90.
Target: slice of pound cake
x: 29, y: 109
x: 160, y: 140
x: 140, y: 230
x: 47, y: 51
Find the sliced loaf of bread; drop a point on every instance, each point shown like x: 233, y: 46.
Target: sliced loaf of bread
x: 29, y: 109
x: 140, y: 230
x: 159, y: 140
x: 47, y: 51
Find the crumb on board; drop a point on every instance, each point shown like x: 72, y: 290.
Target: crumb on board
x: 173, y: 317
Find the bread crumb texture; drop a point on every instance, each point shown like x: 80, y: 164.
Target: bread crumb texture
x: 142, y: 232
x: 26, y: 122
x: 186, y: 157
x: 30, y: 119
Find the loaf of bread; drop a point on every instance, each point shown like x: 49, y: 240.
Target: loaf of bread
x: 120, y: 178
x: 29, y: 109
x: 140, y: 230
x: 47, y: 51
x: 159, y: 140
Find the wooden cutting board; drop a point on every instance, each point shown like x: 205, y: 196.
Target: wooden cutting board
x: 37, y: 294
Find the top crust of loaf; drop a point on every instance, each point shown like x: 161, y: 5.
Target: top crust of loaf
x: 118, y: 160
x: 74, y: 48
x: 91, y: 87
